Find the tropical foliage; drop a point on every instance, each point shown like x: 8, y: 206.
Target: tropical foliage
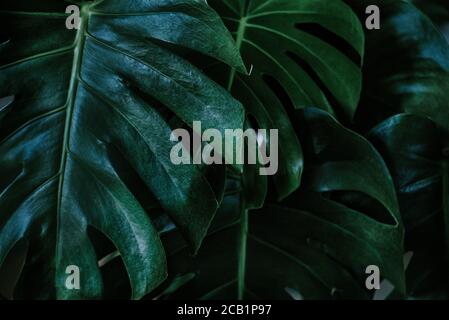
x: 85, y: 171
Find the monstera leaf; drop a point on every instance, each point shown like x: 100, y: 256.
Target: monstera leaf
x: 406, y: 66
x: 299, y: 54
x: 411, y: 75
x: 82, y: 108
x: 417, y: 152
x: 317, y: 243
x: 438, y: 11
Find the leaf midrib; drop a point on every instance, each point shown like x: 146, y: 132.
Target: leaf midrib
x: 71, y: 98
x: 243, y: 239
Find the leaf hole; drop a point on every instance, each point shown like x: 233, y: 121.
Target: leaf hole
x: 338, y: 109
x: 283, y: 97
x: 363, y: 203
x: 252, y: 122
x: 152, y: 101
x: 11, y: 269
x: 134, y: 183
x: 331, y: 38
x: 116, y: 284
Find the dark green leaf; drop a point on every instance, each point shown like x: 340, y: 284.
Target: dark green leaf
x: 314, y: 244
x: 415, y: 150
x: 291, y: 67
x: 90, y: 107
x: 406, y: 66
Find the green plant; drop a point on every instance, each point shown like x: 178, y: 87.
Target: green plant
x: 317, y: 242
x: 86, y: 178
x: 405, y: 100
x: 84, y: 109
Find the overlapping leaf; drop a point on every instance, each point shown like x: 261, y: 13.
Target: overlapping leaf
x: 406, y: 66
x: 417, y: 154
x: 316, y: 243
x: 293, y: 52
x: 411, y: 75
x: 80, y: 109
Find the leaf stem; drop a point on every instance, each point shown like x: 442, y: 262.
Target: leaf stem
x: 73, y: 88
x: 238, y: 43
x: 242, y: 251
x: 243, y: 236
x: 445, y: 173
